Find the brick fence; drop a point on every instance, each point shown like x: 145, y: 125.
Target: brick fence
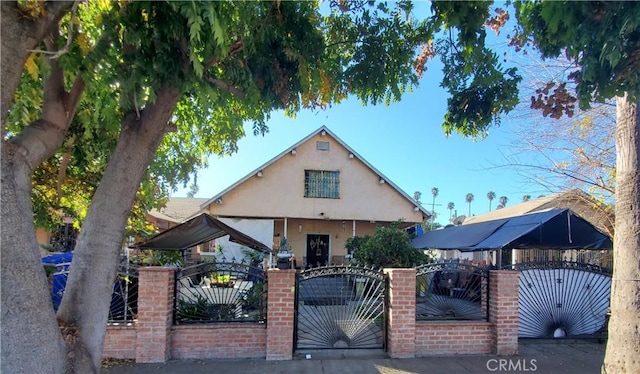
x: 153, y: 338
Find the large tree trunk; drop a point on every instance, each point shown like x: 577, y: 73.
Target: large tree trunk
x: 21, y: 35
x: 623, y: 345
x: 31, y: 341
x: 85, y: 305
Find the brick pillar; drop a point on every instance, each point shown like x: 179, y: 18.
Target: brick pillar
x: 401, y: 316
x: 280, y: 313
x: 503, y: 310
x: 155, y: 311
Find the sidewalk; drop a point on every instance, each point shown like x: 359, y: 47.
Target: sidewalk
x: 539, y: 356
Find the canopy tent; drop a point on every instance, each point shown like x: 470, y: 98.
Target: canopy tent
x: 552, y: 229
x: 198, y: 230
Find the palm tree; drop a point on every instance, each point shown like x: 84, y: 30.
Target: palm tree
x: 500, y: 206
x: 503, y: 201
x: 434, y: 193
x: 450, y: 206
x: 526, y: 198
x: 491, y: 195
x: 469, y: 199
x: 417, y: 196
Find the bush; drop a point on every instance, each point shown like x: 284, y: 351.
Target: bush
x: 389, y: 247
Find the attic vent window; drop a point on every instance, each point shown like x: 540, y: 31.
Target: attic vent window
x: 322, y: 146
x: 322, y: 184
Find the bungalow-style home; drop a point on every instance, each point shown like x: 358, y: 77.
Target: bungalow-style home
x: 309, y: 200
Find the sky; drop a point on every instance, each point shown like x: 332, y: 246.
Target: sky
x: 404, y: 141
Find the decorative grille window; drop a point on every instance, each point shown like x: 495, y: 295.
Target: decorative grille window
x: 322, y: 184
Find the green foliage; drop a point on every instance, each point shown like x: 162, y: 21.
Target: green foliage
x: 354, y: 243
x: 253, y: 299
x: 159, y: 258
x: 201, y: 310
x: 480, y: 88
x: 601, y: 37
x: 232, y: 62
x: 389, y: 247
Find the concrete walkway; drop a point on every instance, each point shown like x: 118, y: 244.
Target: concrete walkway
x: 539, y: 356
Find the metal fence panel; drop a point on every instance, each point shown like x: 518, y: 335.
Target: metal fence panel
x: 214, y: 292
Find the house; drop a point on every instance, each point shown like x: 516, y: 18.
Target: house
x: 175, y: 211
x: 308, y: 200
x: 578, y: 201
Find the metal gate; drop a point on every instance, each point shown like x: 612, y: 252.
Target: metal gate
x: 451, y: 291
x: 560, y: 299
x: 340, y: 307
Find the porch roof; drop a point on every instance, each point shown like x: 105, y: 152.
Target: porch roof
x: 198, y: 230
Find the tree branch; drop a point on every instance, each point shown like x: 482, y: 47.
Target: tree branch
x: 235, y: 48
x: 238, y: 93
x: 65, y: 49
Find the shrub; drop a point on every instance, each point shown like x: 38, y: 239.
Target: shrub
x: 389, y: 247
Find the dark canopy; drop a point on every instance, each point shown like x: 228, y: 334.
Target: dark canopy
x: 198, y: 230
x: 553, y: 229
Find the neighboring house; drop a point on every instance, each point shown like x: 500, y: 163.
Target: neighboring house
x: 175, y: 211
x: 579, y: 202
x: 311, y: 198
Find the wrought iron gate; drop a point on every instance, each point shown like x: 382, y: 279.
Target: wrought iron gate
x: 340, y: 307
x: 562, y: 299
x: 451, y: 290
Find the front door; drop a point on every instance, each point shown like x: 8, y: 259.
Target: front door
x: 317, y: 250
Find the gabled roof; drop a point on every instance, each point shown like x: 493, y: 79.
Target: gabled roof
x: 552, y: 229
x: 178, y: 209
x: 296, y: 145
x: 576, y: 200
x: 198, y: 230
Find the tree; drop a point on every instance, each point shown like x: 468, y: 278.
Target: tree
x: 388, y: 247
x: 503, y: 201
x: 451, y: 206
x: 601, y: 39
x: 168, y: 66
x: 490, y: 196
x: 526, y: 198
x: 417, y: 196
x: 469, y: 198
x: 434, y: 194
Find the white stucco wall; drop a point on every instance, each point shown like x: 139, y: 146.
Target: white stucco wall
x: 259, y: 229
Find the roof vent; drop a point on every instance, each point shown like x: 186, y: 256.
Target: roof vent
x: 322, y: 146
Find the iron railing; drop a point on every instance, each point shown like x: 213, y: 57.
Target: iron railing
x: 451, y: 291
x: 124, y: 299
x: 214, y: 292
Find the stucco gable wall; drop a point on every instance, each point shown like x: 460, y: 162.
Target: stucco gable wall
x: 280, y: 190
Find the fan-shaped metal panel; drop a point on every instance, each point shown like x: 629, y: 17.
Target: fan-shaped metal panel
x: 451, y: 290
x: 340, y: 307
x: 214, y: 292
x: 562, y: 299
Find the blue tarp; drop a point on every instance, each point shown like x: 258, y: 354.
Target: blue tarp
x: 553, y: 229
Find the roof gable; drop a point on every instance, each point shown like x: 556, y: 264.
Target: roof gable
x: 306, y: 143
